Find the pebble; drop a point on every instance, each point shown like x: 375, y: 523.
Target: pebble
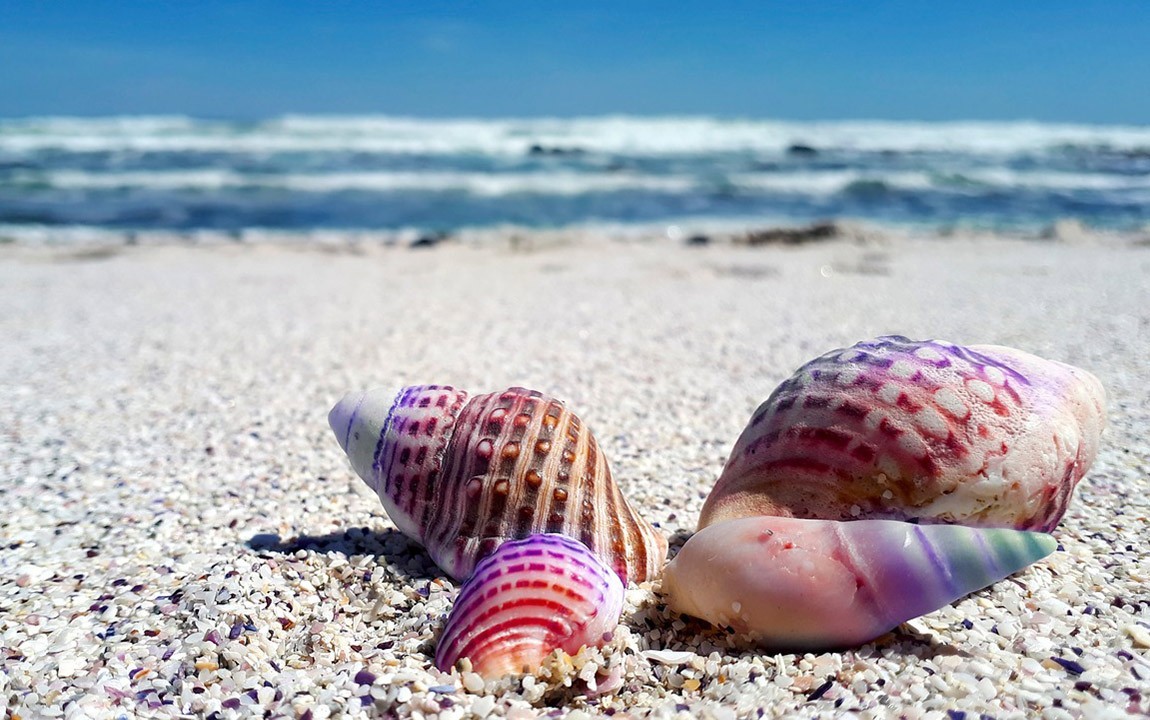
x: 483, y: 706
x: 670, y: 657
x: 1140, y: 634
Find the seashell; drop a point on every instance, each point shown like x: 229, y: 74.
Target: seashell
x: 527, y: 599
x: 818, y: 584
x: 463, y: 475
x: 888, y: 429
x: 926, y: 431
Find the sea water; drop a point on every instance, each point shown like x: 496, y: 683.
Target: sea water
x: 308, y: 174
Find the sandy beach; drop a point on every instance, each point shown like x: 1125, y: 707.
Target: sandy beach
x: 182, y: 536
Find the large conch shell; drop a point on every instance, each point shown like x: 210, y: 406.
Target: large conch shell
x: 888, y: 429
x: 462, y: 475
x: 526, y: 600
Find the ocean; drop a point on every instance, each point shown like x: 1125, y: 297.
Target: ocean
x: 298, y: 175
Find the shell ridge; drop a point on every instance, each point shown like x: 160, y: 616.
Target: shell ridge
x: 454, y: 510
x: 438, y: 486
x: 491, y: 506
x: 589, y: 503
x: 527, y: 599
x: 520, y: 496
x: 570, y: 463
x: 378, y: 470
x: 618, y: 540
x: 549, y: 518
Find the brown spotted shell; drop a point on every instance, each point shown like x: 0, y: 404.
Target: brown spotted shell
x: 464, y: 475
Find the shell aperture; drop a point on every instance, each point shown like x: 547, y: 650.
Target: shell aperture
x: 818, y: 584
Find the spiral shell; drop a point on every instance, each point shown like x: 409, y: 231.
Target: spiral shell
x: 816, y: 584
x: 527, y: 599
x: 463, y: 475
x: 926, y: 431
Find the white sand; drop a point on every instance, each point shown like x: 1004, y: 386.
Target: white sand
x: 164, y: 415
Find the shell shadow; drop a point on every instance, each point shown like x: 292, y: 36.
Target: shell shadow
x: 675, y: 542
x: 403, y: 555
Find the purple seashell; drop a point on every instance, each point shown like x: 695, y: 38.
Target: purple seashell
x: 797, y: 543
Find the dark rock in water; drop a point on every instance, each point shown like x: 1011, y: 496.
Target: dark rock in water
x: 429, y: 240
x: 698, y: 240
x: 799, y: 150
x: 537, y: 149
x: 791, y: 236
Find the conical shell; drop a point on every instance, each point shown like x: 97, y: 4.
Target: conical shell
x: 815, y: 584
x: 464, y: 475
x: 527, y: 599
x: 894, y: 428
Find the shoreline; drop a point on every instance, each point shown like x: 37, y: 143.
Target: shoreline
x: 183, y: 535
x: 674, y: 232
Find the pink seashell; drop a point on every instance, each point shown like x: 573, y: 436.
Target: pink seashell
x: 527, y: 599
x: 885, y: 430
x: 816, y: 584
x: 463, y: 475
x: 930, y: 431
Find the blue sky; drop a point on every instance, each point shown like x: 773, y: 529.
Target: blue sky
x: 1054, y: 60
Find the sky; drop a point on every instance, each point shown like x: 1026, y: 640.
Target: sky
x: 1047, y: 60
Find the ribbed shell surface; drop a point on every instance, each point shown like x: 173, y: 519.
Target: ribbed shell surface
x: 463, y: 475
x: 527, y: 599
x: 407, y: 463
x: 518, y: 463
x: 901, y: 429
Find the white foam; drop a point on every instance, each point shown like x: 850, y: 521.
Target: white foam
x: 615, y: 135
x: 476, y: 183
x: 571, y: 182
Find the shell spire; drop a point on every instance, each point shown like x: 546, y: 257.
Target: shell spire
x: 818, y: 584
x: 464, y: 474
x: 527, y: 599
x: 917, y: 430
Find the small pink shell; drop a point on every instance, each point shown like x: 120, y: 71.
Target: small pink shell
x: 527, y: 599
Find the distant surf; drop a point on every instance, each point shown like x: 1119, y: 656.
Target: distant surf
x: 138, y: 174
